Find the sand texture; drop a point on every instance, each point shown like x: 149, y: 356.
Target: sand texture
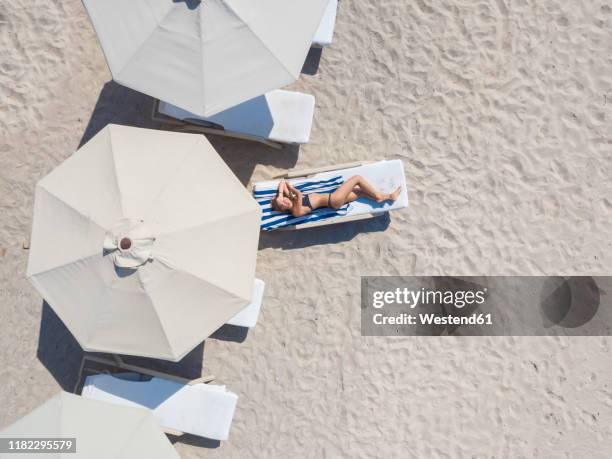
x: 502, y: 113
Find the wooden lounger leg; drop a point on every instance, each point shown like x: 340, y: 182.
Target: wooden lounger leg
x: 305, y: 173
x: 202, y: 380
x: 275, y: 145
x: 174, y: 433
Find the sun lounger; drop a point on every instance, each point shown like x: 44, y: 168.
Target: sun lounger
x: 278, y: 117
x: 179, y: 405
x: 201, y: 409
x: 384, y: 175
x: 325, y: 33
x: 248, y: 316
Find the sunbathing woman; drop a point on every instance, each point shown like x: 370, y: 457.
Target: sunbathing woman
x: 291, y: 200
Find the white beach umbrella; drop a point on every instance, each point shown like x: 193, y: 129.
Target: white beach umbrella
x: 144, y: 242
x: 209, y: 55
x: 102, y: 430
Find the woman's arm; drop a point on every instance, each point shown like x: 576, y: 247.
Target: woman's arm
x: 282, y: 189
x: 298, y: 209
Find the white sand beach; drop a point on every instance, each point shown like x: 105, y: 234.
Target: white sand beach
x: 501, y: 112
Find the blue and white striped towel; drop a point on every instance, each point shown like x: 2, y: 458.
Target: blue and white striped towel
x: 272, y: 219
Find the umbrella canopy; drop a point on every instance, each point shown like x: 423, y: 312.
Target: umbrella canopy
x: 144, y: 242
x: 102, y: 430
x: 205, y: 56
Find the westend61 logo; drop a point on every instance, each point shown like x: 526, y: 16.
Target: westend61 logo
x: 486, y: 306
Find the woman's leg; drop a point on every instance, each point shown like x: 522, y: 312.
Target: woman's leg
x: 357, y: 186
x: 343, y: 194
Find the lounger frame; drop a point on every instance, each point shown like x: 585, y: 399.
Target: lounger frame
x: 197, y: 126
x: 306, y: 173
x: 117, y: 365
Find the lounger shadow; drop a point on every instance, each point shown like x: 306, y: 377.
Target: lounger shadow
x: 323, y: 235
x: 194, y: 440
x: 312, y: 62
x: 232, y: 333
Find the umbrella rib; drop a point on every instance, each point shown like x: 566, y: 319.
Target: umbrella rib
x: 207, y: 222
x: 63, y: 265
x: 228, y: 3
x: 116, y: 174
x: 187, y: 273
x: 129, y: 438
x: 171, y: 176
x: 144, y: 42
x: 183, y: 271
x: 86, y: 257
x: 202, y: 65
x: 160, y: 322
x: 87, y: 217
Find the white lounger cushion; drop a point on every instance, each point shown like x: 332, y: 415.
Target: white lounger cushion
x: 325, y: 33
x: 384, y: 175
x: 201, y: 409
x: 279, y: 116
x: 248, y: 316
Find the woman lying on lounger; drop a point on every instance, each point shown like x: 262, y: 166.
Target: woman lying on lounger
x: 291, y: 200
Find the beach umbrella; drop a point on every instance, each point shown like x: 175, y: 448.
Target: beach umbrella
x: 205, y: 56
x: 102, y: 430
x: 144, y: 242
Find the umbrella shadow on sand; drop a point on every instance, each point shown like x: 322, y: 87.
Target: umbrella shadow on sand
x: 243, y: 156
x: 119, y: 105
x: 58, y: 350
x: 61, y: 354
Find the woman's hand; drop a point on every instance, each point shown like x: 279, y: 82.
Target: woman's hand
x: 295, y: 193
x: 282, y: 188
x: 296, y: 197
